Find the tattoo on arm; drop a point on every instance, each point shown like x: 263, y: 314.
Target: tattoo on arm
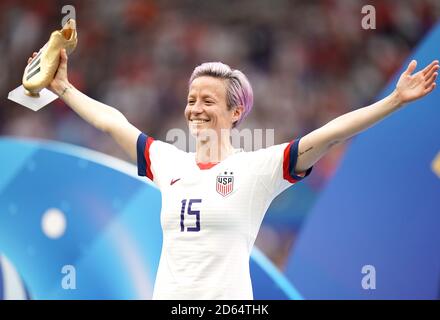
x: 301, y: 153
x: 333, y: 143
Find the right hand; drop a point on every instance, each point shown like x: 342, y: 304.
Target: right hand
x: 60, y: 81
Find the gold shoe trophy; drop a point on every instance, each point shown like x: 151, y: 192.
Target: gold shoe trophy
x: 39, y: 73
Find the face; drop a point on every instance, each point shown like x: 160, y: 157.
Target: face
x: 206, y: 107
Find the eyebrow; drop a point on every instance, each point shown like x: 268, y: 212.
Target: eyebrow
x: 206, y: 95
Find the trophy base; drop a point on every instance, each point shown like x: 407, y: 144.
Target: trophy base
x: 31, y: 100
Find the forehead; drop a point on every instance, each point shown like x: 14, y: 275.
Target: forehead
x: 208, y: 86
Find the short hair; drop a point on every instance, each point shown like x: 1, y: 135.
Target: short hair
x: 239, y: 90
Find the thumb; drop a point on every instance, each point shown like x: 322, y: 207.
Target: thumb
x: 63, y: 56
x: 411, y: 67
x: 63, y: 61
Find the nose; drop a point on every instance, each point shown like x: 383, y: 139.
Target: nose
x: 197, y: 107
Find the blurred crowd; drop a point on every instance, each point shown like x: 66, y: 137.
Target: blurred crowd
x: 308, y: 61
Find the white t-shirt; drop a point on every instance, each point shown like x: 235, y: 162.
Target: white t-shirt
x: 211, y: 215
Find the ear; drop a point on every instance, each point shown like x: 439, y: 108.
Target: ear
x: 237, y: 112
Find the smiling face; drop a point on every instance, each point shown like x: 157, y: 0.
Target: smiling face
x: 206, y: 107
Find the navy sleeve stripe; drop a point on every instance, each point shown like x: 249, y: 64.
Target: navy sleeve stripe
x: 141, y: 161
x: 293, y: 159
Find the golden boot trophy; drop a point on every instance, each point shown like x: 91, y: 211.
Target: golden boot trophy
x: 39, y: 73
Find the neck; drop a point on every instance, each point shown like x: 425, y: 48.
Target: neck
x: 213, y: 150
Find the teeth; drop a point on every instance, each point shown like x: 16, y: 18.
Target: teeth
x: 197, y: 121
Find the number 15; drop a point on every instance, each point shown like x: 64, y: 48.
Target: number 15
x: 190, y: 212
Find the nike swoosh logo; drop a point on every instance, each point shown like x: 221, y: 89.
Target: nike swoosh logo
x: 173, y: 181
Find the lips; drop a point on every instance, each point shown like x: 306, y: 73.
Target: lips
x: 199, y: 121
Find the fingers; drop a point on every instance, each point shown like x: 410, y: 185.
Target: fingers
x: 430, y: 88
x: 411, y: 67
x: 433, y: 68
x: 33, y: 56
x: 429, y: 67
x: 430, y: 74
x: 431, y: 80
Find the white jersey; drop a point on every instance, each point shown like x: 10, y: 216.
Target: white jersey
x: 211, y: 215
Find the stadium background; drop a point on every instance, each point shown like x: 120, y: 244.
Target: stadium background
x: 308, y: 62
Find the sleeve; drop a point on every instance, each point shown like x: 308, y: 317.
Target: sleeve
x: 143, y: 156
x: 277, y: 165
x: 290, y: 157
x: 157, y: 160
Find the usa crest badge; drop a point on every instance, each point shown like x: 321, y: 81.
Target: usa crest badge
x: 225, y: 183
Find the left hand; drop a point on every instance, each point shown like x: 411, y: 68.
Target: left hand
x: 414, y: 86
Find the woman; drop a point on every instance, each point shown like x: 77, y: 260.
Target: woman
x: 213, y: 201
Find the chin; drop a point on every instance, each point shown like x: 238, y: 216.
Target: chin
x: 200, y: 132
x: 194, y: 132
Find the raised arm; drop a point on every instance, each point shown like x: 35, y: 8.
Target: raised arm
x: 99, y: 115
x: 316, y: 144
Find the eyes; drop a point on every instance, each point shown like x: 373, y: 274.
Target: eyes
x: 206, y: 101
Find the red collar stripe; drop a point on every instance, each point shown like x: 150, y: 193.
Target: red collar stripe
x: 206, y: 165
